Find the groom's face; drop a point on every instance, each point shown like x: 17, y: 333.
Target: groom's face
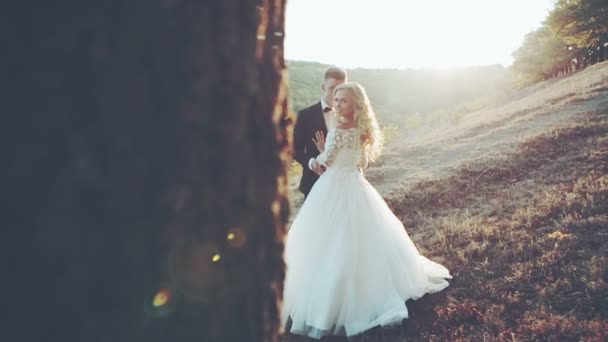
x: 328, y: 87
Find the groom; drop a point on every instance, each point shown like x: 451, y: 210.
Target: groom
x: 311, y: 121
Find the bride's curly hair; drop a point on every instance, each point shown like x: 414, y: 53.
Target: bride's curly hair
x: 370, y: 133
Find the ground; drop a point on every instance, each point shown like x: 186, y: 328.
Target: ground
x: 513, y: 199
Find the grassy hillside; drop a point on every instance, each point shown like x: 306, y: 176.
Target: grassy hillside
x: 520, y: 219
x: 526, y: 237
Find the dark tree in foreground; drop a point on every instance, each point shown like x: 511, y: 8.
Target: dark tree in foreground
x: 145, y: 146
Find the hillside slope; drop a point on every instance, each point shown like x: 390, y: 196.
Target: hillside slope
x: 490, y: 132
x: 514, y: 201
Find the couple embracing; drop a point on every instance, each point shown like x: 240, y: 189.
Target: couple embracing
x: 350, y: 263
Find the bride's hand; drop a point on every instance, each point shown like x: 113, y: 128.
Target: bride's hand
x: 319, y: 141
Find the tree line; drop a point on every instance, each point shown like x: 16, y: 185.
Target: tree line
x: 574, y: 36
x: 399, y: 92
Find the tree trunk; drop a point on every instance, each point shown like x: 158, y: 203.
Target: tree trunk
x: 146, y: 146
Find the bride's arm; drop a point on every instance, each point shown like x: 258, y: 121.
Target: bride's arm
x: 331, y: 148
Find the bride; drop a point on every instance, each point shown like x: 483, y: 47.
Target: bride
x: 350, y: 263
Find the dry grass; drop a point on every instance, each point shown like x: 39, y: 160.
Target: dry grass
x: 526, y: 238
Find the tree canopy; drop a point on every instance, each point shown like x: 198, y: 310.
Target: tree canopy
x: 574, y: 35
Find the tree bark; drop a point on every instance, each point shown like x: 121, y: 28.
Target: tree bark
x: 146, y: 147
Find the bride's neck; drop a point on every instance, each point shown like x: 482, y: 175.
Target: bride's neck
x: 346, y: 120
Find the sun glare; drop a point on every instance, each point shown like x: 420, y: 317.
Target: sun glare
x: 408, y: 34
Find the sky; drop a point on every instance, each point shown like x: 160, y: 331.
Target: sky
x: 410, y: 33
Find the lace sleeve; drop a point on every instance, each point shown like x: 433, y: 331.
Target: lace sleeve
x: 332, y: 144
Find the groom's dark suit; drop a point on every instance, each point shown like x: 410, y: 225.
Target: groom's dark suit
x: 309, y: 121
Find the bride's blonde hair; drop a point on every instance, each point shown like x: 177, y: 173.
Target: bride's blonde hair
x: 370, y: 133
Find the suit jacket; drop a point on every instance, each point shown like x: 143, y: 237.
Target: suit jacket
x: 309, y: 121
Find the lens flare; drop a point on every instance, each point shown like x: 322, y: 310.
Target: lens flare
x: 236, y: 237
x: 160, y: 302
x: 161, y: 298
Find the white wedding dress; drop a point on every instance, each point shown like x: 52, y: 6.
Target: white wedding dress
x: 350, y: 263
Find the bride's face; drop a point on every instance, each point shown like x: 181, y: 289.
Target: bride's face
x: 344, y: 104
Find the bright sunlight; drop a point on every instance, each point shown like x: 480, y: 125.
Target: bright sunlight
x: 410, y: 34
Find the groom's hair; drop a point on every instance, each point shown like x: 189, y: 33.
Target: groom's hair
x: 336, y: 73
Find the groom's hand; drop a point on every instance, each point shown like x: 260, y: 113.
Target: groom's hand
x: 317, y: 167
x: 319, y: 141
